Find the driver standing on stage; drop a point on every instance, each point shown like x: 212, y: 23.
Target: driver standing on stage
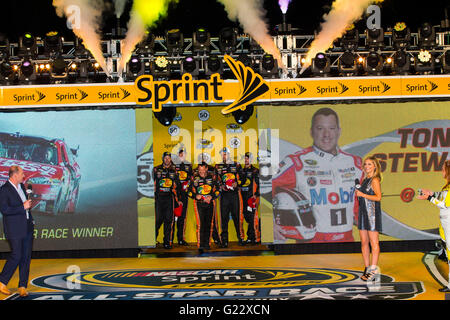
x: 204, y: 190
x: 228, y: 176
x: 250, y: 197
x: 325, y: 175
x: 167, y: 189
x: 184, y: 172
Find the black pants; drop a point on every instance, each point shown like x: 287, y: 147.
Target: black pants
x: 215, y: 232
x: 251, y: 217
x: 164, y: 205
x: 204, y: 216
x: 230, y: 204
x: 20, y: 256
x: 181, y: 220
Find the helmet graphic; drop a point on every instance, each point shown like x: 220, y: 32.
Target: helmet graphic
x: 293, y: 213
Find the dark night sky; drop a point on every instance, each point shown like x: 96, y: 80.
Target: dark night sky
x: 39, y: 16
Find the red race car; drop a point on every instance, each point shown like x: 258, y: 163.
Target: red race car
x: 50, y: 166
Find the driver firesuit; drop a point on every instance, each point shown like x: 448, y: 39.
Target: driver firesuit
x: 328, y: 182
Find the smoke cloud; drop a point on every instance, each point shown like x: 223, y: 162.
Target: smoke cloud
x: 87, y: 15
x: 343, y: 13
x: 119, y: 6
x: 144, y: 14
x: 250, y: 14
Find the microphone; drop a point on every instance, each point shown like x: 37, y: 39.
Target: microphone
x: 357, y: 185
x: 29, y: 191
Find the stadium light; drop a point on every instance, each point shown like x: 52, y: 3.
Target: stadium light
x: 347, y: 64
x: 401, y: 62
x: 174, y: 42
x: 7, y: 72
x: 446, y: 61
x: 350, y: 39
x: 268, y: 66
x: 242, y: 116
x: 424, y: 62
x: 320, y: 65
x: 401, y: 36
x: 374, y: 63
x: 27, y: 71
x: 161, y: 67
x: 5, y: 47
x: 166, y: 115
x: 202, y: 40
x: 375, y: 38
x: 426, y: 36
x: 135, y: 67
x: 228, y: 40
x: 27, y: 45
x: 53, y: 43
x: 146, y: 46
x: 190, y: 65
x: 213, y: 65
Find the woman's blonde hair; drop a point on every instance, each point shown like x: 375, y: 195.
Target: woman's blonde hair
x: 377, y: 173
x: 447, y: 173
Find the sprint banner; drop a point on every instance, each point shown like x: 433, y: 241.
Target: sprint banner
x: 249, y: 87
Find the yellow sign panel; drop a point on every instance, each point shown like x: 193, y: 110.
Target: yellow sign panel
x: 250, y: 87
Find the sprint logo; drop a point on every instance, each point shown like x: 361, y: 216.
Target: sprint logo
x: 252, y: 85
x: 157, y: 93
x: 83, y: 94
x: 27, y: 98
x: 433, y: 85
x: 344, y: 88
x: 332, y: 89
x: 301, y: 89
x: 41, y: 96
x: 379, y: 88
x: 126, y: 94
x: 421, y: 88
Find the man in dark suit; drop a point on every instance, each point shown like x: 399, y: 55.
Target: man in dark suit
x: 18, y: 226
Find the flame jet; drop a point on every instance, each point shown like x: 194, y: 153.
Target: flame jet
x: 85, y: 17
x: 144, y: 14
x: 250, y: 14
x: 343, y: 13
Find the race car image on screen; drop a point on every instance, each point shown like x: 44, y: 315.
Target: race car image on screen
x: 49, y: 165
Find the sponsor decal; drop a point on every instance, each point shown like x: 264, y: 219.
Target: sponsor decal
x: 322, y: 197
x: 311, y: 162
x: 174, y: 130
x: 144, y: 177
x: 204, y: 144
x: 234, y: 143
x: 203, y: 115
x: 326, y: 182
x: 233, y: 128
x: 311, y: 181
x: 210, y: 284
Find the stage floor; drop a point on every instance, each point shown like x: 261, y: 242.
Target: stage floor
x: 234, y: 274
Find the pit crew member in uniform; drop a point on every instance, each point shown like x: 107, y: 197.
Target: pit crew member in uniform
x: 324, y: 175
x: 250, y: 199
x: 184, y: 172
x: 203, y: 188
x: 228, y: 175
x: 167, y: 189
x: 441, y: 199
x: 211, y: 170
